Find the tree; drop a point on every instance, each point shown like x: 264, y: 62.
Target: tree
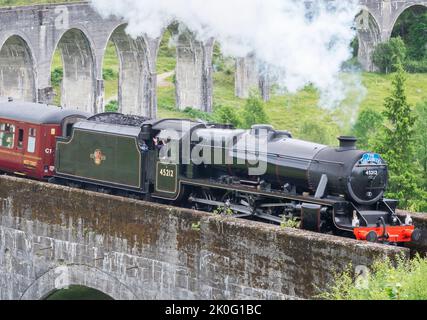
x: 226, y: 115
x: 411, y: 27
x: 396, y: 143
x: 317, y: 131
x: 421, y: 138
x: 388, y: 54
x: 253, y: 112
x: 366, y: 127
x: 418, y: 37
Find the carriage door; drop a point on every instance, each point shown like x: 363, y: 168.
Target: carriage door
x: 31, y: 161
x: 19, y: 147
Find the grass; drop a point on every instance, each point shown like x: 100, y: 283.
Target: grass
x: 402, y: 280
x: 291, y: 112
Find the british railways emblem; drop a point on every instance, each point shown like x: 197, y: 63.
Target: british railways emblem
x: 98, y: 157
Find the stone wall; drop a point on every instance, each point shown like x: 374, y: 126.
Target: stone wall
x: 420, y: 222
x: 53, y: 236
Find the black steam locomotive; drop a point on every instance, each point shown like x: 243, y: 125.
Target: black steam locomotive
x: 261, y: 174
x: 336, y: 190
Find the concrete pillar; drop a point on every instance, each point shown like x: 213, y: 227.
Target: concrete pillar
x: 248, y: 78
x: 265, y: 86
x: 150, y: 98
x: 137, y: 75
x: 79, y: 87
x: 369, y: 37
x: 99, y: 96
x: 17, y: 70
x: 194, y: 73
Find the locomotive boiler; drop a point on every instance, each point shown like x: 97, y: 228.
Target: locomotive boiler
x: 329, y: 189
x: 303, y: 166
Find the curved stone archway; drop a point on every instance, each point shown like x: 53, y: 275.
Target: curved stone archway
x: 398, y: 14
x: 369, y: 36
x: 134, y: 76
x: 17, y: 70
x: 77, y: 275
x: 78, y: 89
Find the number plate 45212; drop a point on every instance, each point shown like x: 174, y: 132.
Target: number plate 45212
x: 169, y: 173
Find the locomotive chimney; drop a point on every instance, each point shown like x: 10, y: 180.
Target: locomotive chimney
x: 347, y: 143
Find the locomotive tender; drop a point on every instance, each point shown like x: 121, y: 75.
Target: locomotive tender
x: 336, y: 190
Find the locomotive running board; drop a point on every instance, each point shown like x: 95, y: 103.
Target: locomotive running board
x: 246, y: 212
x: 273, y: 194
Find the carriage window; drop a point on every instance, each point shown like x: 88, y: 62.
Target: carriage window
x: 31, y: 141
x: 20, y: 137
x: 7, y: 135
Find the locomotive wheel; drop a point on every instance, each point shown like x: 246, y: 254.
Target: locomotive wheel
x: 231, y: 198
x: 206, y: 195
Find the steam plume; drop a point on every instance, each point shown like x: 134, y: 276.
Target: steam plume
x: 302, y: 44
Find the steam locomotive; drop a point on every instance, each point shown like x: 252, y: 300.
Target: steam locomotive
x: 336, y: 190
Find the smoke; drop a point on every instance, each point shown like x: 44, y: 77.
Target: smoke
x: 299, y: 44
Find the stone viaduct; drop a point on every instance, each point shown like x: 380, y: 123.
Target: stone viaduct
x: 30, y: 35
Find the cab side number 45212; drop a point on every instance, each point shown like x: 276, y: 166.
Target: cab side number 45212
x: 167, y: 173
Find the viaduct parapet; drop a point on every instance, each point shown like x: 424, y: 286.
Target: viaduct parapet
x: 52, y: 237
x: 30, y: 35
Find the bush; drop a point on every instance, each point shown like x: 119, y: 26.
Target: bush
x: 56, y: 76
x: 109, y: 74
x: 226, y: 115
x: 351, y: 64
x: 366, y: 127
x: 421, y: 138
x: 197, y: 114
x: 414, y: 66
x: 388, y: 54
x: 253, y: 112
x: 112, y: 106
x: 403, y: 280
x: 411, y: 26
x: 317, y: 131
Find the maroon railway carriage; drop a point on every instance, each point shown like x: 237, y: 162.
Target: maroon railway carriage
x: 28, y: 134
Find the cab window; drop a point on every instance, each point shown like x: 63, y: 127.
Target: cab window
x: 31, y: 146
x: 7, y: 135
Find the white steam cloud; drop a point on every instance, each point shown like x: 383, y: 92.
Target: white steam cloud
x: 299, y: 44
